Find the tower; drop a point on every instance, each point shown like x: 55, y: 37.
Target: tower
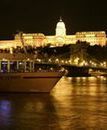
x: 60, y: 28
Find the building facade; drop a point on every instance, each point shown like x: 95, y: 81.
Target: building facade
x: 59, y: 39
x: 93, y: 38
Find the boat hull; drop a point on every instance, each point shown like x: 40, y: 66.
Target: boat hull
x: 29, y: 82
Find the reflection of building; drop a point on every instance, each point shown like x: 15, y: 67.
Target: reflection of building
x: 60, y: 38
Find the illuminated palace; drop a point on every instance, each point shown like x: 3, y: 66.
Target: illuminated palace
x: 59, y: 39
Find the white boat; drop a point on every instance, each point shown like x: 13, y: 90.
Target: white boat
x: 29, y: 81
x: 23, y: 75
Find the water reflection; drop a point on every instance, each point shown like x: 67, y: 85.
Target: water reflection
x: 5, y: 112
x: 27, y: 111
x: 75, y: 103
x: 83, y: 102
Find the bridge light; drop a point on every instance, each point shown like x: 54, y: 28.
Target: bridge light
x: 69, y: 61
x: 57, y: 60
x: 86, y: 63
x: 62, y: 61
x: 39, y: 60
x: 76, y: 60
x: 50, y: 60
x: 104, y: 63
x: 66, y: 62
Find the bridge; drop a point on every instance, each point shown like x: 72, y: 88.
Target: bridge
x: 74, y: 69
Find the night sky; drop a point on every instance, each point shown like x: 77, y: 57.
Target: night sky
x: 42, y: 16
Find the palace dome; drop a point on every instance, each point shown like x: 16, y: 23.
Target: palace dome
x: 60, y: 24
x: 60, y: 28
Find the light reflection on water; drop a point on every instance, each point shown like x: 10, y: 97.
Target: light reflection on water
x: 75, y: 103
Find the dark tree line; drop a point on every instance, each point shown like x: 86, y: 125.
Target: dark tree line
x: 98, y: 52
x: 58, y: 52
x: 80, y: 49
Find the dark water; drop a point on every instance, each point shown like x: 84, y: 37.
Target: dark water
x: 74, y: 104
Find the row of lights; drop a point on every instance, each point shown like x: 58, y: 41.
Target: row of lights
x: 75, y: 62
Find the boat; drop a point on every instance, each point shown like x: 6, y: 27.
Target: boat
x: 29, y: 82
x: 25, y: 76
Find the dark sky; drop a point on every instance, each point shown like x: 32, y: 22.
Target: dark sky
x: 42, y: 16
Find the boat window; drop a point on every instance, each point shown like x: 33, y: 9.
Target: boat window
x: 4, y: 66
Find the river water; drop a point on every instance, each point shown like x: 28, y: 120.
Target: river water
x: 74, y: 104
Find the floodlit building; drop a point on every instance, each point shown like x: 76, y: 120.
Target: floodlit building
x: 93, y: 38
x: 59, y: 39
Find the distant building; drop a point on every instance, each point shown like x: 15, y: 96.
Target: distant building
x: 59, y: 39
x: 93, y: 38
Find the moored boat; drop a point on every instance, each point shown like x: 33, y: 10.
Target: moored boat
x: 25, y: 75
x: 29, y: 81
